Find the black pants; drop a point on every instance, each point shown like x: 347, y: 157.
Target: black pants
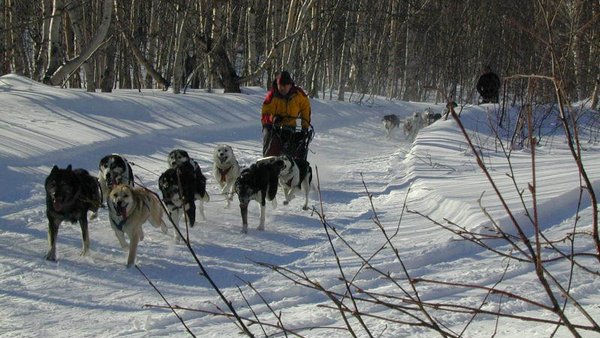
x: 283, y: 141
x: 272, y: 144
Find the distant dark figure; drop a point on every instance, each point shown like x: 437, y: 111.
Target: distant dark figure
x: 488, y: 86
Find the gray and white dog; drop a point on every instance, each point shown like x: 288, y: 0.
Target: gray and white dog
x: 390, y: 122
x: 113, y: 169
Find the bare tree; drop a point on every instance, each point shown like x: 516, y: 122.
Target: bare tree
x: 392, y: 48
x: 63, y: 71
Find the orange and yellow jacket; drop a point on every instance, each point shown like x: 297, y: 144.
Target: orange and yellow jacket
x: 288, y: 108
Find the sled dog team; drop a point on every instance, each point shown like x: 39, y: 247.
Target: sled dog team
x: 71, y: 193
x: 410, y: 125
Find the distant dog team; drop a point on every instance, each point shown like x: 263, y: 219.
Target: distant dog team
x: 410, y: 125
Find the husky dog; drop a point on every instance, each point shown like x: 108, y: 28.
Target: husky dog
x: 226, y: 170
x: 70, y: 194
x: 113, y: 169
x: 296, y: 175
x: 178, y: 157
x: 178, y: 188
x: 128, y: 209
x: 390, y: 122
x: 413, y: 124
x: 258, y: 183
x: 429, y: 116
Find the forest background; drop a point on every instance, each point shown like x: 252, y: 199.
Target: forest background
x: 401, y: 49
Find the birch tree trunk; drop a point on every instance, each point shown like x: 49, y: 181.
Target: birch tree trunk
x: 77, y: 36
x: 181, y: 36
x: 140, y: 57
x: 344, y: 59
x: 222, y: 63
x: 394, y: 50
x: 108, y: 74
x: 54, y: 43
x: 251, y: 40
x: 579, y: 48
x: 409, y: 82
x: 66, y: 69
x: 41, y: 59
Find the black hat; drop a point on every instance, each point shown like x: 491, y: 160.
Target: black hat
x: 284, y: 78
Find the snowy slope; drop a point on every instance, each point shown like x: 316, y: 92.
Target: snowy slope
x: 436, y: 176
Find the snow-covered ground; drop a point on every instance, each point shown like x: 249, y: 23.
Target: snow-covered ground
x: 436, y: 176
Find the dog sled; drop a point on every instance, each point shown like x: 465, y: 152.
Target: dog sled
x: 288, y: 140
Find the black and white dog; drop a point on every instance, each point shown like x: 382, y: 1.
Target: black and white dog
x: 226, y: 170
x: 259, y: 183
x: 181, y: 186
x: 295, y: 176
x: 112, y: 170
x: 70, y: 194
x: 390, y: 122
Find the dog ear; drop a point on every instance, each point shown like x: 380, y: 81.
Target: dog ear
x: 54, y: 169
x: 281, y: 164
x: 69, y: 167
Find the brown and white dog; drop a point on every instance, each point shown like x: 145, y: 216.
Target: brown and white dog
x: 226, y: 170
x: 129, y: 208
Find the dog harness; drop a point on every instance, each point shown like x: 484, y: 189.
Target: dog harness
x: 302, y: 176
x: 223, y: 173
x: 121, y: 224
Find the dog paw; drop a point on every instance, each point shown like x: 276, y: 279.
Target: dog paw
x: 305, y: 208
x: 286, y: 202
x: 50, y: 256
x: 261, y: 228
